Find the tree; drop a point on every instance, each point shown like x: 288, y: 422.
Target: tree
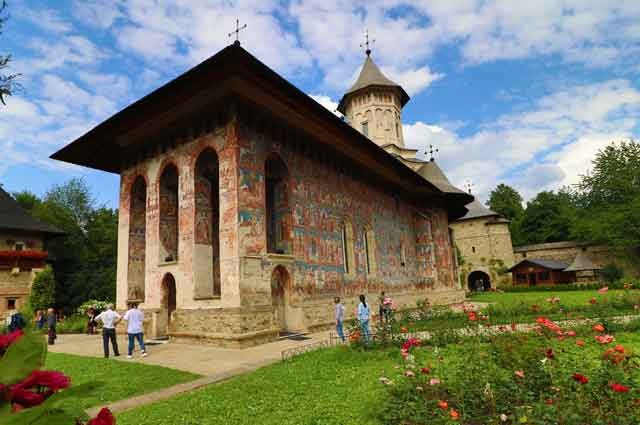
x: 8, y: 82
x: 549, y: 217
x: 43, y: 290
x: 85, y: 258
x: 27, y: 200
x: 609, y: 197
x: 507, y: 202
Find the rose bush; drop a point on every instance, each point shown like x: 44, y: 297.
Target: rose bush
x: 549, y: 376
x: 30, y: 395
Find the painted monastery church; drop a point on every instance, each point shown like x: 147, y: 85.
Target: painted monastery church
x: 246, y: 206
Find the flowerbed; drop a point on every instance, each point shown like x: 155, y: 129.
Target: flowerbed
x: 551, y: 376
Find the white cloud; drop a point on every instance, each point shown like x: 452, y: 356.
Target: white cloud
x: 97, y: 13
x: 547, y: 146
x: 48, y: 20
x: 327, y: 102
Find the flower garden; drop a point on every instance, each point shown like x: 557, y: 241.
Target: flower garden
x: 504, y: 364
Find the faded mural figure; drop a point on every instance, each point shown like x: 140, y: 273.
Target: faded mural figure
x: 137, y: 240
x: 207, y: 222
x: 169, y: 214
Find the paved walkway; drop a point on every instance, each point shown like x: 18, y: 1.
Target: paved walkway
x: 214, y: 363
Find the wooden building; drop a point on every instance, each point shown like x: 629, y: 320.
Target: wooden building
x: 532, y: 272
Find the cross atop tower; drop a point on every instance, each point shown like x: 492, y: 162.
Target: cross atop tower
x: 237, y: 31
x: 431, y: 151
x: 367, y: 43
x: 468, y: 185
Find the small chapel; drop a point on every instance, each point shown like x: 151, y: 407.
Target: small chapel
x: 246, y: 206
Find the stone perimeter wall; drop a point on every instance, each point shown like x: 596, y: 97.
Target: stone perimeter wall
x: 322, y: 195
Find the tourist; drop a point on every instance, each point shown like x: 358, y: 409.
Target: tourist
x: 52, y: 320
x: 40, y: 319
x: 363, y: 317
x: 339, y: 318
x: 135, y: 318
x: 15, y: 321
x: 109, y: 319
x: 91, y: 321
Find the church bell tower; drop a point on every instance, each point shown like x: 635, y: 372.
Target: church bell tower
x: 373, y: 106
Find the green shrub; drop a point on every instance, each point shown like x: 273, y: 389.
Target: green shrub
x: 611, y: 273
x: 43, y: 290
x: 72, y: 325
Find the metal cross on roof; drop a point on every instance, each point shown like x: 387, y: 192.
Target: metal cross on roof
x: 367, y: 43
x: 431, y: 151
x: 237, y: 31
x: 468, y: 185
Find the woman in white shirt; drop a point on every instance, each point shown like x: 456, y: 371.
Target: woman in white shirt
x: 364, y: 314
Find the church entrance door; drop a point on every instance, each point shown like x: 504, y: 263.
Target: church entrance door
x: 279, y: 296
x: 168, y: 302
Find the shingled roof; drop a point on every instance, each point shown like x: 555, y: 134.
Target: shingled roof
x: 581, y: 263
x: 477, y: 210
x: 14, y: 217
x: 431, y: 172
x: 547, y: 264
x: 371, y: 76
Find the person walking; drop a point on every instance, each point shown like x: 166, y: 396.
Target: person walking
x: 52, y: 320
x: 109, y: 319
x: 339, y: 318
x: 40, y: 320
x: 91, y: 321
x: 364, y: 314
x: 135, y: 319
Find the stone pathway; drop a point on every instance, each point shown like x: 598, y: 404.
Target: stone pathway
x: 214, y: 363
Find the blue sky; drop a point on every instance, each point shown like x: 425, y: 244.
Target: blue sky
x: 523, y: 93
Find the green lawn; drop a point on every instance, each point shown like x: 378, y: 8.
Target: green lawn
x: 119, y: 379
x: 568, y: 299
x: 337, y: 386
x: 332, y: 386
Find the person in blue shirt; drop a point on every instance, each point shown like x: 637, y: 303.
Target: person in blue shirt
x: 364, y: 314
x: 339, y: 318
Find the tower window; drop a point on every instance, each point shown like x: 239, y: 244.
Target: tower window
x: 473, y: 249
x: 19, y: 246
x: 365, y: 128
x: 11, y: 304
x: 397, y: 130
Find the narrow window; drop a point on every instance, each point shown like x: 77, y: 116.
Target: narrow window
x: 369, y: 249
x: 365, y: 128
x: 473, y: 249
x: 19, y: 246
x: 11, y: 304
x: 345, y: 257
x: 403, y: 255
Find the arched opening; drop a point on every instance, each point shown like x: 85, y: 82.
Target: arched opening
x: 479, y: 281
x: 137, y: 240
x: 207, y: 226
x: 278, y: 210
x: 169, y: 214
x: 168, y: 304
x: 279, y: 296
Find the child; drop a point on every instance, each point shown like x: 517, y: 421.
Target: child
x: 364, y: 314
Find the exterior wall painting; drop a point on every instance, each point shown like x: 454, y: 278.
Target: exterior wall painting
x: 321, y: 197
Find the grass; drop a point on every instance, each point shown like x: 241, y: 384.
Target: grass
x: 332, y: 386
x: 568, y: 299
x: 119, y: 380
x: 336, y: 386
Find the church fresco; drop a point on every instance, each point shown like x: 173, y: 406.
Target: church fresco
x: 168, y: 205
x: 137, y: 240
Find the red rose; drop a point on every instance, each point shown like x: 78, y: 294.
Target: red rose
x: 580, y: 343
x: 598, y: 328
x: 549, y: 401
x: 618, y: 388
x: 425, y: 370
x: 593, y: 301
x: 21, y: 398
x: 50, y: 379
x: 443, y: 404
x: 550, y: 354
x: 10, y: 338
x: 105, y: 417
x: 619, y: 348
x: 580, y: 378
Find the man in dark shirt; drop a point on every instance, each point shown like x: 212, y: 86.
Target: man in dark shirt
x: 51, y: 324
